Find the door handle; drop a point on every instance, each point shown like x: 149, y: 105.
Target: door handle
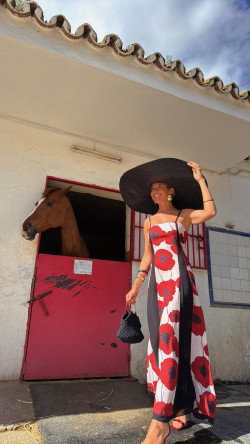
x: 39, y: 297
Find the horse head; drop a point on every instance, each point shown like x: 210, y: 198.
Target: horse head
x: 49, y: 213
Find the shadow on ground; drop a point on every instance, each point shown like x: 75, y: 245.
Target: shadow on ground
x: 60, y: 399
x: 104, y: 411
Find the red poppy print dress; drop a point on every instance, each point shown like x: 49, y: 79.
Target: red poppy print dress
x: 178, y: 366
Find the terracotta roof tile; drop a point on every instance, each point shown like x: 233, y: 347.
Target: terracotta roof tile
x: 85, y: 31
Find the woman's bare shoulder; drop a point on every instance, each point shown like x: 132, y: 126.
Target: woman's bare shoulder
x: 186, y: 213
x: 185, y: 218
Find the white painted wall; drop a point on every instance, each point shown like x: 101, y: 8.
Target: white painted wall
x: 28, y: 155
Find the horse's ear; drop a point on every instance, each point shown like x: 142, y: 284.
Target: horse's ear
x: 66, y: 190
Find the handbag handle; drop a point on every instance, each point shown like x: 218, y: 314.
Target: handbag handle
x: 130, y: 307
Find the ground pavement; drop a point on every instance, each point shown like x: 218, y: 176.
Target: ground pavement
x: 108, y: 411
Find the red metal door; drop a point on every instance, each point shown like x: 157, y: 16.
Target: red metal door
x: 74, y: 320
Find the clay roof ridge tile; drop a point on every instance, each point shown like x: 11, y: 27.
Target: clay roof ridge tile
x: 85, y: 31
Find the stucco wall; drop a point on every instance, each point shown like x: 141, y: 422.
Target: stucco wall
x: 28, y: 155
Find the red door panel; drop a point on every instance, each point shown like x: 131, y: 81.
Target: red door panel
x: 72, y: 331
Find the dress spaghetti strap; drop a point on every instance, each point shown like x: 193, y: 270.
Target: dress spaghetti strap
x: 177, y: 216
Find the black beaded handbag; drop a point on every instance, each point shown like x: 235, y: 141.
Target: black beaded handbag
x: 130, y: 328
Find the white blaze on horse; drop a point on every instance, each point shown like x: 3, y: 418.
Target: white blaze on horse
x: 52, y: 211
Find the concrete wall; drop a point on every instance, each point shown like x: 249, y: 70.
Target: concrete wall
x: 28, y: 155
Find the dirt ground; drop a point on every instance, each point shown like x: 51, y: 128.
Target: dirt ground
x: 25, y: 434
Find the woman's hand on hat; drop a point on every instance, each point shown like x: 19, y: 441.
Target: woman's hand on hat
x: 196, y: 170
x: 132, y: 295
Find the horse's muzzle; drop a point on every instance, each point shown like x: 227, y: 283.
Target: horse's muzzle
x: 28, y: 232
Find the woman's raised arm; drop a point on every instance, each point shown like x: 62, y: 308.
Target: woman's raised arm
x: 209, y: 210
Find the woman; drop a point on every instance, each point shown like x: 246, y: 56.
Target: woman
x: 178, y: 367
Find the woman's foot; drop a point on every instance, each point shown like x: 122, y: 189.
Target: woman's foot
x: 179, y: 423
x: 157, y: 432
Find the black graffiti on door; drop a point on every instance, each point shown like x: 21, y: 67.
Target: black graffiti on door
x: 63, y: 281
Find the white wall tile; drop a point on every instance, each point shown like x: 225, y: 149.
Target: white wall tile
x: 216, y: 281
x: 232, y: 239
x: 248, y: 264
x: 247, y: 241
x: 236, y: 284
x: 241, y: 241
x: 245, y: 297
x: 227, y: 296
x: 233, y: 261
x: 224, y: 259
x: 243, y: 273
x: 214, y: 247
x: 213, y: 236
x: 242, y: 252
x: 242, y: 262
x: 216, y: 271
x: 236, y: 296
x: 215, y: 259
x: 223, y: 238
x: 248, y: 252
x: 217, y: 295
x: 223, y: 248
x: 226, y: 284
x: 225, y: 272
x: 232, y: 250
x: 244, y: 285
x: 235, y: 273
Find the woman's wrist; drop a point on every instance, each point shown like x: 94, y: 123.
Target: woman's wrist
x: 202, y: 179
x: 137, y: 284
x: 140, y: 277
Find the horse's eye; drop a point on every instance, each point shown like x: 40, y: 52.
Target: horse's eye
x: 49, y: 204
x: 36, y: 204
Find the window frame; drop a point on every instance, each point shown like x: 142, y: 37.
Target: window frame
x: 213, y: 302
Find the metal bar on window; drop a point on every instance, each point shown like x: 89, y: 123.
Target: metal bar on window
x: 132, y: 236
x: 139, y: 236
x: 193, y: 245
x: 204, y: 245
x: 199, y: 245
x: 188, y: 246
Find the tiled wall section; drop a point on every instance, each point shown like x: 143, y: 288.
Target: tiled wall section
x: 230, y: 267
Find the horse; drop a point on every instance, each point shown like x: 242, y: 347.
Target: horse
x: 52, y: 211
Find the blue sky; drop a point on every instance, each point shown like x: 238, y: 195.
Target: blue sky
x: 213, y: 35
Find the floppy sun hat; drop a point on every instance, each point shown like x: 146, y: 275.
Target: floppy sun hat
x: 135, y: 185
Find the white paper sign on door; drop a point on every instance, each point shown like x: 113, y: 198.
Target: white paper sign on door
x: 82, y: 267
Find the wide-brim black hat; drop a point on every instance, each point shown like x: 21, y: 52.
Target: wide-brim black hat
x: 135, y: 185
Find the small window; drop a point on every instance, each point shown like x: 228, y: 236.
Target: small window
x: 195, y: 247
x: 228, y: 267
